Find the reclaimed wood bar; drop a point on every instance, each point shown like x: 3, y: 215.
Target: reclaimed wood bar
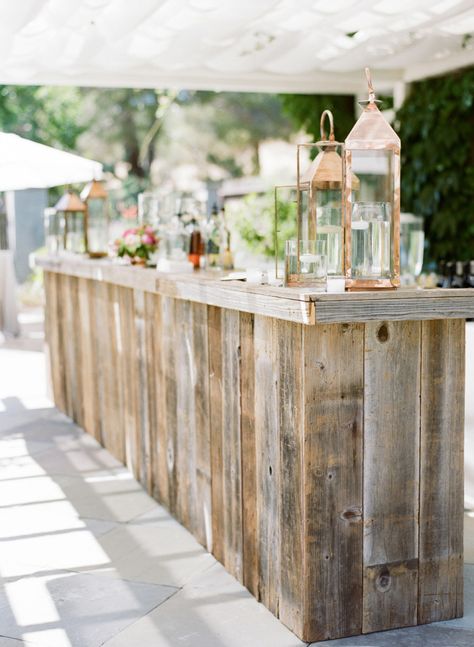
x: 312, y: 442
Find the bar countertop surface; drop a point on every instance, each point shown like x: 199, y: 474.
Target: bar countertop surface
x: 291, y: 304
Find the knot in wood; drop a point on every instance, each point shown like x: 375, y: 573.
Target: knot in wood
x: 383, y: 582
x: 382, y: 333
x: 352, y: 514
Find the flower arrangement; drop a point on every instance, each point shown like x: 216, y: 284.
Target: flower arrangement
x: 137, y: 243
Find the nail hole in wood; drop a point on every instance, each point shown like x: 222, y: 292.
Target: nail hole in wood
x: 382, y: 333
x: 270, y: 471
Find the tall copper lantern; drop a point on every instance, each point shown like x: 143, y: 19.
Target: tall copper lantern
x: 372, y: 205
x: 94, y: 196
x: 319, y: 187
x: 75, y: 222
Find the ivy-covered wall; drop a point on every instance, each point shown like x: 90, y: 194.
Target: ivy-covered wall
x: 436, y: 127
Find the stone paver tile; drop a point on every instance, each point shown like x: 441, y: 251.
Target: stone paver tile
x: 160, y: 554
x: 11, y: 642
x: 425, y: 636
x: 109, y: 497
x: 157, y: 516
x: 77, y: 460
x: 28, y: 490
x: 72, y: 609
x: 213, y: 610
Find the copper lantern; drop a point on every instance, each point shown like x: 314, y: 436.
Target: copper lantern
x: 372, y: 204
x: 75, y: 222
x: 94, y: 196
x: 319, y: 199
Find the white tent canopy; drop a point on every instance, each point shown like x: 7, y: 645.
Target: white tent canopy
x: 24, y: 164
x: 265, y: 45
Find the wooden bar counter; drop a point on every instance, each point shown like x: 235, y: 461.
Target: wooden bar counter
x: 312, y: 442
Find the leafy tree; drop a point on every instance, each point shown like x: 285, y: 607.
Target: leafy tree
x: 305, y: 111
x: 49, y: 115
x: 436, y: 126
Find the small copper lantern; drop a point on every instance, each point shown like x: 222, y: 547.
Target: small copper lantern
x: 319, y: 199
x: 75, y: 222
x: 372, y: 204
x: 94, y: 196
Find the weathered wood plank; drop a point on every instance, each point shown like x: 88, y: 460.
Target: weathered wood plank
x: 249, y: 466
x: 391, y: 474
x: 142, y: 393
x: 200, y: 377
x: 333, y: 468
x: 215, y: 420
x: 168, y: 346
x: 231, y: 445
x: 54, y: 331
x: 88, y: 359
x: 289, y: 345
x: 442, y: 469
x: 157, y: 403
x: 185, y: 428
x: 267, y: 440
x: 426, y: 307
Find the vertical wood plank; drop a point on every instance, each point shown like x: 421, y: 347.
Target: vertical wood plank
x: 268, y: 463
x: 87, y: 364
x: 142, y: 392
x: 203, y: 530
x: 54, y: 331
x: 168, y: 341
x: 231, y: 445
x: 215, y: 410
x: 249, y: 457
x: 441, y: 471
x: 391, y: 474
x: 333, y: 401
x: 185, y: 429
x: 159, y: 450
x: 289, y: 344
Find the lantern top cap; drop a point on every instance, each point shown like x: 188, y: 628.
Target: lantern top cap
x: 372, y: 130
x: 70, y: 201
x: 93, y: 190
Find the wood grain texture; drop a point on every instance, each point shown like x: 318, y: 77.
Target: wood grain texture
x: 231, y: 445
x: 267, y: 441
x: 200, y: 379
x: 249, y: 466
x: 333, y: 469
x: 54, y: 330
x: 89, y: 358
x: 168, y: 347
x: 216, y: 431
x: 442, y: 471
x: 391, y: 474
x: 289, y: 346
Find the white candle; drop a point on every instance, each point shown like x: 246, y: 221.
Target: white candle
x: 336, y: 284
x: 309, y: 258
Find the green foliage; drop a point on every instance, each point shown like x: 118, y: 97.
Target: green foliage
x: 305, y: 110
x: 437, y: 133
x: 49, y: 115
x: 255, y: 223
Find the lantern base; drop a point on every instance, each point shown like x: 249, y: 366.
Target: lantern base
x: 97, y: 254
x: 364, y: 285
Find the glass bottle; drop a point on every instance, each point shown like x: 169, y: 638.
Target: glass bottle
x: 458, y: 278
x: 213, y: 240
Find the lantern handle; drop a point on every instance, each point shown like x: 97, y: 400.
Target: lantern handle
x: 368, y: 76
x: 328, y: 114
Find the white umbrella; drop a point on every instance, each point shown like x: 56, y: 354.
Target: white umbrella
x: 25, y: 164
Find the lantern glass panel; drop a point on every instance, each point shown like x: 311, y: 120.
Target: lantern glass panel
x: 285, y: 223
x: 75, y: 234
x: 320, y: 183
x: 98, y: 226
x: 372, y: 210
x: 53, y: 230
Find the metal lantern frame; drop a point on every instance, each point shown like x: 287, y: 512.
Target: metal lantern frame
x: 372, y: 132
x: 70, y: 204
x: 326, y: 172
x: 94, y: 191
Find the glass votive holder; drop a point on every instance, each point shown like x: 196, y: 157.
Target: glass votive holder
x: 336, y: 284
x: 306, y: 264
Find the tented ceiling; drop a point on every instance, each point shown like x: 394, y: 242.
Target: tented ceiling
x: 266, y: 45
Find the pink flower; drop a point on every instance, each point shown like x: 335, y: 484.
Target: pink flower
x: 147, y: 239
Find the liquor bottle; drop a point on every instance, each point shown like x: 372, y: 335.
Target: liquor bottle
x: 469, y: 280
x: 449, y: 274
x: 213, y: 240
x: 227, y: 256
x: 441, y: 274
x: 195, y: 243
x: 458, y: 278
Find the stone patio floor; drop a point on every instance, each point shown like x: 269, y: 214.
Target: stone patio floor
x: 87, y: 558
